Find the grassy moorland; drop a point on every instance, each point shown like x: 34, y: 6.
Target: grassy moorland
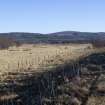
x: 27, y: 58
x: 58, y: 74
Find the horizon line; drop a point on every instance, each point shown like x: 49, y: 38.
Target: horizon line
x: 50, y: 32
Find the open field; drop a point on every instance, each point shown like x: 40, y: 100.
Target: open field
x: 36, y: 57
x: 70, y: 74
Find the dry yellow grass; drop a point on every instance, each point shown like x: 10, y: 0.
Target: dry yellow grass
x: 36, y: 56
x: 99, y: 100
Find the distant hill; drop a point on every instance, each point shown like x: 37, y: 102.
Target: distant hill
x: 58, y: 37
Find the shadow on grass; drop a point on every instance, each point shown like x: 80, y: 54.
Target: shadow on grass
x: 30, y: 89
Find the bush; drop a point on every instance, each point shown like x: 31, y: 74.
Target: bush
x: 7, y: 42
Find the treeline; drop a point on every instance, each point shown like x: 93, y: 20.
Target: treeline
x: 98, y: 43
x: 6, y: 42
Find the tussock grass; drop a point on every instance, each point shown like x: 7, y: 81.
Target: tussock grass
x: 27, y: 58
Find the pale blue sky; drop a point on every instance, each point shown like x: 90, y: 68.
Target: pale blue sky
x: 45, y: 16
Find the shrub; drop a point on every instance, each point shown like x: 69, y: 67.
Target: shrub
x: 7, y: 42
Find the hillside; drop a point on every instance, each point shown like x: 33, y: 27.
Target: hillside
x: 58, y: 37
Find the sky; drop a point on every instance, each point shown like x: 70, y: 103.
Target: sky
x: 47, y: 16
